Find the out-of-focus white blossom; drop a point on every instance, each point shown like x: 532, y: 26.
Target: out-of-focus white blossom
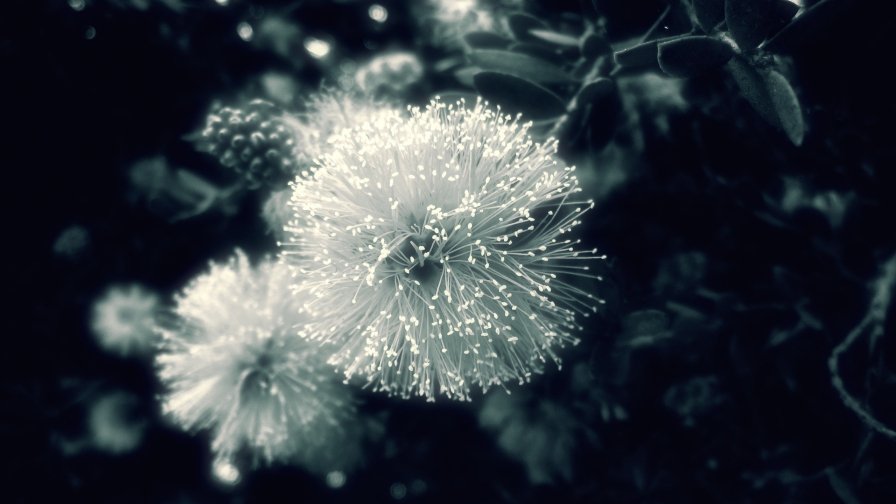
x: 234, y: 365
x: 395, y: 71
x: 113, y: 423
x: 276, y: 212
x: 542, y: 435
x: 123, y: 320
x: 72, y: 242
x: 436, y: 251
x: 455, y: 18
x: 327, y: 113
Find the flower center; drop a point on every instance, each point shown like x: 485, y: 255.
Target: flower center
x: 416, y: 259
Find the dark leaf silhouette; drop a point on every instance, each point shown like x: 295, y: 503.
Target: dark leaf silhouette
x: 688, y: 56
x: 521, y: 65
x: 486, y: 40
x: 518, y: 95
x: 709, y: 13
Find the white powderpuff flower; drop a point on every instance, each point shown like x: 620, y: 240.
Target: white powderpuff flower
x: 435, y: 252
x: 396, y: 71
x: 123, y: 320
x: 233, y: 364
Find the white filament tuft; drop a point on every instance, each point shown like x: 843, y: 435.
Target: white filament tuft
x: 436, y: 252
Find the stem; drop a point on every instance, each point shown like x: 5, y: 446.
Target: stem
x: 875, y: 318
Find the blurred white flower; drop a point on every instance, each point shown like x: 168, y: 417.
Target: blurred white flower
x: 234, y: 365
x: 327, y: 113
x: 394, y: 71
x: 72, y: 242
x: 123, y: 320
x: 435, y: 251
x: 276, y: 212
x: 540, y: 434
x: 113, y: 424
x: 455, y: 18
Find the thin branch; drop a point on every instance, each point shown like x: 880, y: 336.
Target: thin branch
x: 874, y: 319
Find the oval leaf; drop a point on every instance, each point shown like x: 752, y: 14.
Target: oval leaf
x: 640, y: 56
x: 752, y: 21
x: 709, y: 13
x: 595, y: 91
x: 555, y: 38
x: 521, y: 65
x: 486, y: 40
x: 746, y: 21
x: 517, y: 95
x: 689, y: 56
x: 782, y: 12
x: 537, y: 51
x: 787, y: 106
x: 465, y: 75
x: 521, y: 23
x: 752, y: 87
x: 594, y: 46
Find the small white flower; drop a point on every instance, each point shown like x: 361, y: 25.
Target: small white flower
x: 234, y: 365
x: 435, y: 251
x: 123, y: 320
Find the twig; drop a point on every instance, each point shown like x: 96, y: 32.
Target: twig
x: 875, y: 318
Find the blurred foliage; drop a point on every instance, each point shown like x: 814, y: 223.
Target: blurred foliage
x: 739, y: 152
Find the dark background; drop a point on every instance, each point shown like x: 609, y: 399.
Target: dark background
x: 732, y: 403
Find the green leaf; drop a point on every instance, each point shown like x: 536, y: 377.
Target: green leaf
x: 772, y: 96
x: 782, y: 12
x: 537, y: 51
x: 787, y: 106
x: 709, y: 13
x: 689, y: 56
x: 745, y: 21
x: 521, y: 65
x: 555, y: 38
x: 486, y: 40
x: 520, y: 24
x: 643, y: 55
x: 752, y: 87
x: 517, y: 95
x: 465, y: 75
x: 445, y: 64
x: 752, y: 21
x: 595, y: 91
x: 594, y: 46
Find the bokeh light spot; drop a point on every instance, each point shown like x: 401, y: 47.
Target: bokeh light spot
x: 317, y: 48
x: 378, y: 13
x: 335, y: 479
x: 244, y: 30
x: 398, y: 491
x: 225, y: 472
